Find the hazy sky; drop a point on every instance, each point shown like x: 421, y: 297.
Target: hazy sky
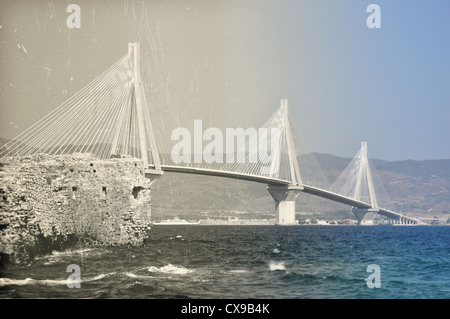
x: 233, y: 60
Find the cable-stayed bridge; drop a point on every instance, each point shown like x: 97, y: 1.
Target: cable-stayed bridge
x: 113, y: 115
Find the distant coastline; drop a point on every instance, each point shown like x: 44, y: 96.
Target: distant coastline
x: 267, y: 222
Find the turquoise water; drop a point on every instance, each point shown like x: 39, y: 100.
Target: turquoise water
x: 320, y: 262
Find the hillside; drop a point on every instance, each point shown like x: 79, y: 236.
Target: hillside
x: 411, y: 187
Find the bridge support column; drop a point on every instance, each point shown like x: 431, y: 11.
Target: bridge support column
x: 364, y: 215
x: 153, y: 174
x: 284, y: 198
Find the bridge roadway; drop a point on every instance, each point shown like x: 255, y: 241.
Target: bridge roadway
x: 280, y: 182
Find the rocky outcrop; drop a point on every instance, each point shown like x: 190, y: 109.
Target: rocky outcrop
x: 51, y: 201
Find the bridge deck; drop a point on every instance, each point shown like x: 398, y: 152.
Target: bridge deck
x: 220, y: 173
x: 274, y: 181
x: 335, y: 197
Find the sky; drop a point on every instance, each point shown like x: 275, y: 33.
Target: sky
x: 232, y: 61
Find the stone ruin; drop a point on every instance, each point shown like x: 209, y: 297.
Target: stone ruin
x: 50, y: 202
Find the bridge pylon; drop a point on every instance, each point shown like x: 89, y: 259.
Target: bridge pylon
x: 145, y: 127
x: 365, y: 215
x: 285, y: 196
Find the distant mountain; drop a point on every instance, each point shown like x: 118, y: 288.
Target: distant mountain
x: 412, y: 187
x: 328, y: 162
x: 428, y: 168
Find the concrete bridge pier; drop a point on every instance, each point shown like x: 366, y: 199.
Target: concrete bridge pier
x: 284, y: 197
x: 153, y: 174
x: 364, y: 215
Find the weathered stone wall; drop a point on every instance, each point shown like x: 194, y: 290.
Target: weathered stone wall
x: 48, y: 200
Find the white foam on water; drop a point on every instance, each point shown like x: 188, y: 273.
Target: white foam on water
x: 16, y: 282
x: 170, y: 269
x: 71, y: 252
x: 30, y: 281
x: 51, y: 282
x: 276, y: 265
x: 57, y: 256
x: 132, y: 275
x: 98, y: 277
x: 238, y: 271
x: 47, y: 282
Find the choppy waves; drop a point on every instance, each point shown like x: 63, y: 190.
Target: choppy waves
x: 248, y: 262
x: 46, y: 282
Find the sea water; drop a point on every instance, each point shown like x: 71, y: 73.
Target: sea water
x: 275, y: 262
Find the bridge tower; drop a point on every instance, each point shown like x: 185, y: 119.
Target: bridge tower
x: 146, y: 136
x: 365, y: 215
x: 285, y: 196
